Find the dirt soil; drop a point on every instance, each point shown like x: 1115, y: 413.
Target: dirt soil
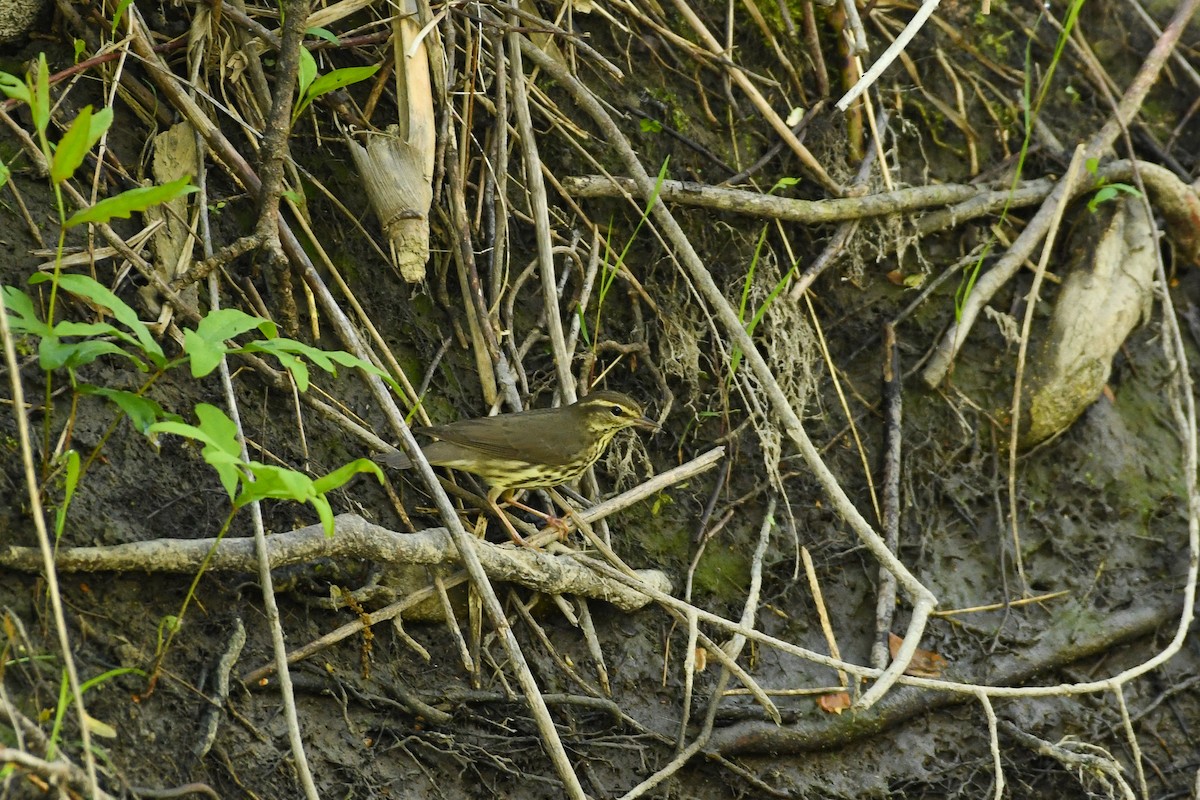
x: 1091, y: 578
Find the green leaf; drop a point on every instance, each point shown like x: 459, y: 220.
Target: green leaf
x: 331, y: 82
x: 40, y: 104
x: 280, y: 483
x: 15, y: 88
x: 205, y: 345
x: 342, y: 475
x: 583, y: 329
x: 93, y: 330
x: 92, y: 683
x: 72, y: 476
x: 99, y: 294
x: 73, y: 147
x: 219, y: 435
x: 121, y: 6
x: 54, y: 353
x: 22, y: 316
x: 4, y: 174
x: 306, y: 72
x: 70, y: 482
x: 325, y: 512
x: 126, y: 203
x: 322, y: 33
x: 226, y: 323
x: 276, y: 483
x: 203, y: 356
x: 286, y: 351
x: 142, y: 411
x: 784, y: 183
x: 101, y: 122
x: 297, y: 367
x: 1103, y: 196
x: 339, y: 78
x: 220, y: 427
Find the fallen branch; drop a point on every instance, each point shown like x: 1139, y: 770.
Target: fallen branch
x: 354, y: 538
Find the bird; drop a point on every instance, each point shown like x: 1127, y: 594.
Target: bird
x: 533, y: 449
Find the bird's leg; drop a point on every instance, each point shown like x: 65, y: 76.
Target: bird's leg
x: 493, y: 497
x: 558, y: 523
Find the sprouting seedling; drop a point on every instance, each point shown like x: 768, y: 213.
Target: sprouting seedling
x: 1106, y: 190
x: 313, y: 85
x: 612, y: 267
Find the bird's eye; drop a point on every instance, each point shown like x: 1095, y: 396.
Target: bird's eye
x: 616, y: 411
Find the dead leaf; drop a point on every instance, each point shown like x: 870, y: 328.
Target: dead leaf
x: 924, y: 664
x: 834, y: 703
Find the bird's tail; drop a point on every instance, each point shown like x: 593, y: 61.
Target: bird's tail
x: 392, y: 459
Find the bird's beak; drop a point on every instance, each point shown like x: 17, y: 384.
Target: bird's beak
x: 646, y: 423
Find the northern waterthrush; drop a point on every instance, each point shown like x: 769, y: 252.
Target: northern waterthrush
x: 530, y: 449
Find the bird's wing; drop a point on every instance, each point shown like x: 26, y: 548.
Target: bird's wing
x: 517, y: 442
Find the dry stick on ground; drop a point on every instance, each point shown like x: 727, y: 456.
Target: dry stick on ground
x: 1173, y: 199
x: 1135, y: 749
x: 922, y: 599
x: 884, y: 61
x: 1068, y: 753
x: 757, y: 204
x: 58, y: 773
x: 1008, y: 264
x: 355, y: 539
x: 491, y: 363
x: 238, y: 638
x: 848, y: 228
x: 893, y: 438
x: 275, y: 145
x: 166, y: 82
x: 993, y: 742
x: 814, y: 586
x: 541, y: 214
x: 592, y: 639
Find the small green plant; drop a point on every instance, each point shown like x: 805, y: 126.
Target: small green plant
x: 71, y: 345
x: 747, y: 284
x: 1106, y: 190
x: 247, y: 481
x: 96, y: 726
x: 612, y: 267
x: 313, y: 85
